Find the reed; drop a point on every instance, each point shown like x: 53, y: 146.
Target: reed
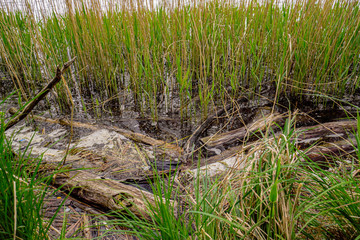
x: 277, y: 194
x: 22, y: 192
x: 171, y: 54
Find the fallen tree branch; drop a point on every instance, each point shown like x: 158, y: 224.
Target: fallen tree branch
x: 305, y: 137
x: 324, y: 132
x: 30, y: 106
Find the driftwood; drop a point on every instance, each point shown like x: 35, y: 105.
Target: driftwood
x: 325, y: 132
x: 330, y: 152
x: 170, y: 149
x: 241, y: 134
x: 106, y: 193
x: 30, y: 106
x: 307, y: 136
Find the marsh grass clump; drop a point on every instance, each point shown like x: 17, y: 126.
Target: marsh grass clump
x: 173, y: 53
x: 273, y: 193
x: 22, y: 192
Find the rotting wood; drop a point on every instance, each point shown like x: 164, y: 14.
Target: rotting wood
x: 106, y: 193
x: 30, y: 106
x: 324, y: 156
x: 242, y: 133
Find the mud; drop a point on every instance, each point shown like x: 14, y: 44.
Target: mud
x: 111, y: 155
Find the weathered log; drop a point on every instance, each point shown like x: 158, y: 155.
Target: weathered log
x: 307, y: 136
x: 241, y: 134
x: 106, y: 193
x: 331, y: 151
x: 171, y: 149
x: 325, y: 132
x: 30, y: 106
x: 323, y: 155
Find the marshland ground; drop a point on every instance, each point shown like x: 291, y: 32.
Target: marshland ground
x: 185, y: 60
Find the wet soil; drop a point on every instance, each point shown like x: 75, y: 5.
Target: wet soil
x: 113, y: 156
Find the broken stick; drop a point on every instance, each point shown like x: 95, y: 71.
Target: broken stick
x: 30, y: 106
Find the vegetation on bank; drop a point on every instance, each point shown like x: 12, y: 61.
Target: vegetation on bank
x: 205, y: 52
x: 195, y: 55
x: 277, y: 194
x: 22, y: 192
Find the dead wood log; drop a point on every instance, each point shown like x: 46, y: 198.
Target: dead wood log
x: 325, y: 132
x: 242, y: 133
x: 307, y: 136
x: 171, y: 149
x: 106, y: 193
x: 328, y: 153
x: 30, y: 106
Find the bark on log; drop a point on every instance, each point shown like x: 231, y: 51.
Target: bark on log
x: 106, y: 193
x: 30, y: 106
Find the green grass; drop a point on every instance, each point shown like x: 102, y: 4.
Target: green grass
x: 197, y: 56
x: 174, y: 54
x: 22, y: 192
x: 277, y: 195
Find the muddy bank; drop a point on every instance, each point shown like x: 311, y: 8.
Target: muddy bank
x: 129, y: 152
